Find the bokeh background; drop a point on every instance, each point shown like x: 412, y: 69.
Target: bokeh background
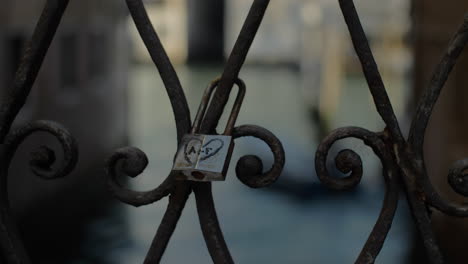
x: 303, y: 80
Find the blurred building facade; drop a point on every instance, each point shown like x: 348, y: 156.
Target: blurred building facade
x: 82, y: 84
x: 282, y: 34
x: 312, y: 35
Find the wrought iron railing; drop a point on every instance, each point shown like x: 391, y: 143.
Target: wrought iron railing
x: 402, y: 159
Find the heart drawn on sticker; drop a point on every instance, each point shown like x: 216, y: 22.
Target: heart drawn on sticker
x: 211, y: 148
x: 192, y: 150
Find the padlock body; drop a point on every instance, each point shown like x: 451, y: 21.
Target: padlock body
x: 203, y: 157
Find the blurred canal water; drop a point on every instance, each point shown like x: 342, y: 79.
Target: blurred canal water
x: 295, y: 221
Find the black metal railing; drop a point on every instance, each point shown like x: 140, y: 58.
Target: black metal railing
x: 402, y: 159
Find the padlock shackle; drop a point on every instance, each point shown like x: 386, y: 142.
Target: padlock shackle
x: 203, y: 105
x: 206, y: 99
x: 236, y: 107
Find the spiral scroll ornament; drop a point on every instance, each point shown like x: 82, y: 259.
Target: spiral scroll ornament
x: 43, y: 161
x: 131, y: 161
x: 402, y: 159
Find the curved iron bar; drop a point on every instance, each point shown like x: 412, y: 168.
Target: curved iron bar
x: 249, y: 173
x: 420, y: 191
x: 370, y: 69
x: 12, y: 249
x: 164, y: 66
x: 349, y: 162
x: 399, y: 157
x: 132, y: 161
x: 249, y: 168
x: 403, y: 157
x: 234, y: 64
x: 42, y: 165
x: 134, y: 156
x: 44, y: 158
x: 211, y: 230
x: 421, y: 119
x: 30, y: 63
x: 457, y: 177
x: 431, y: 94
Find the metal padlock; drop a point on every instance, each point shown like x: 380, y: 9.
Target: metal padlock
x: 207, y: 157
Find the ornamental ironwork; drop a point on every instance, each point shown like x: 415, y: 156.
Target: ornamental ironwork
x: 402, y: 158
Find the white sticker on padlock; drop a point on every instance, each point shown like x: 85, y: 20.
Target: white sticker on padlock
x: 204, y: 157
x: 187, y: 156
x: 214, y: 153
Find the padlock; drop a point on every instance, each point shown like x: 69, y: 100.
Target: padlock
x: 207, y: 157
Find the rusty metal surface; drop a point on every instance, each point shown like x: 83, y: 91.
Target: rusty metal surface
x: 206, y: 157
x: 43, y: 161
x: 402, y: 159
x: 124, y: 160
